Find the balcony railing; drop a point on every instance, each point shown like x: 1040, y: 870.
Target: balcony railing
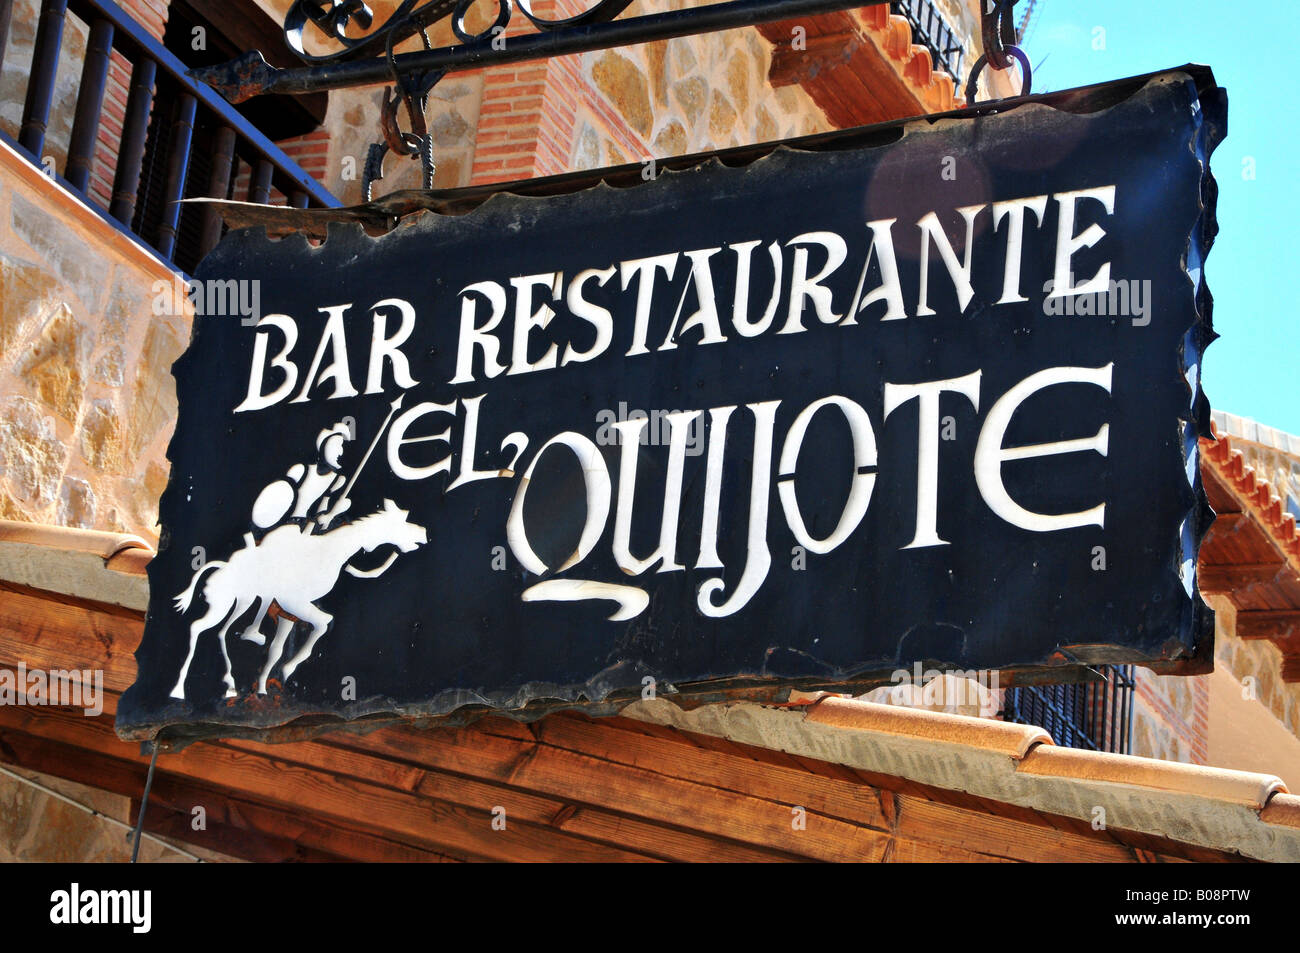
x: 179, y: 139
x: 931, y: 30
x: 1097, y: 716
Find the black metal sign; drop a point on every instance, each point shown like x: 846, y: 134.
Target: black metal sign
x: 920, y: 392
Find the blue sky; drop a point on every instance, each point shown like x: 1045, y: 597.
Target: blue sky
x: 1254, y: 368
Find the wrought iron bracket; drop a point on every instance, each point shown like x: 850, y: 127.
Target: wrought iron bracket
x: 999, y: 36
x: 370, y: 58
x: 361, y: 61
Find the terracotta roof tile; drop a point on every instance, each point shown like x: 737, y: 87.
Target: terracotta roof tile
x: 1001, y: 737
x: 893, y: 34
x: 102, y: 544
x: 134, y: 561
x: 1220, y: 784
x: 990, y: 763
x: 1282, y: 809
x: 86, y: 564
x: 1256, y: 494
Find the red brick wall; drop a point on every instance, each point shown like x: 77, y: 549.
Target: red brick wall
x: 1171, y: 717
x: 530, y: 111
x: 311, y: 151
x: 110, y: 130
x: 509, y: 119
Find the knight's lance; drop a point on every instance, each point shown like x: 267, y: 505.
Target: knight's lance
x: 369, y: 450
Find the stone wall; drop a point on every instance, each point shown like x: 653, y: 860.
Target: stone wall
x: 579, y: 112
x: 514, y: 121
x: 17, y: 66
x: 1170, y: 717
x: 1257, y: 664
x: 632, y: 104
x: 44, y: 819
x: 87, y: 400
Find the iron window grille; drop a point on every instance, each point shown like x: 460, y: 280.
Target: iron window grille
x: 1097, y: 716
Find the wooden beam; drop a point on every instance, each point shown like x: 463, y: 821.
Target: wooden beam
x: 223, y: 163
x: 1227, y: 522
x: 240, y: 828
x: 841, y: 69
x: 268, y: 778
x: 53, y: 633
x: 928, y: 821
x: 1267, y: 623
x: 178, y: 170
x: 791, y: 65
x: 135, y: 133
x: 462, y: 789
x: 125, y: 779
x: 1291, y: 666
x: 90, y: 100
x: 857, y: 804
x: 41, y: 76
x: 637, y: 791
x: 1227, y: 578
x: 163, y: 821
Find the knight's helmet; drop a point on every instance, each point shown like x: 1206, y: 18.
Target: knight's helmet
x: 277, y: 499
x: 341, y: 429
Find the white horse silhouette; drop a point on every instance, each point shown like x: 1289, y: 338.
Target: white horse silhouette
x: 292, y: 568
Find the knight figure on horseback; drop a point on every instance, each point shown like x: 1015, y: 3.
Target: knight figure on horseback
x: 303, y: 497
x: 298, y: 549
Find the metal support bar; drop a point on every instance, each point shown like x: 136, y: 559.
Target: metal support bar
x: 250, y: 75
x: 135, y: 130
x: 45, y: 64
x: 223, y: 160
x: 259, y: 189
x: 90, y: 100
x: 178, y: 168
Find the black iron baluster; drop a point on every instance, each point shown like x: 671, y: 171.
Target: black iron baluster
x: 178, y: 167
x: 90, y: 102
x: 135, y: 129
x: 40, y: 84
x: 1126, y: 722
x: 259, y: 190
x: 298, y: 199
x: 223, y: 162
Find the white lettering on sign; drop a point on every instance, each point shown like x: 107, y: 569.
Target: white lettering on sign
x: 990, y: 454
x: 550, y: 320
x: 485, y: 332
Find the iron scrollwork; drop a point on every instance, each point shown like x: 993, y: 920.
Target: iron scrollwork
x: 332, y: 20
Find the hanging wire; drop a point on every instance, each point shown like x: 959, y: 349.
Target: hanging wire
x: 144, y: 803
